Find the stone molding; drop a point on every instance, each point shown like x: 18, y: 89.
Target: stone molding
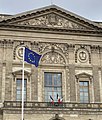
x: 51, y: 9
x: 6, y: 43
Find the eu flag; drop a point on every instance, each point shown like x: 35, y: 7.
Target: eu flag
x: 31, y: 57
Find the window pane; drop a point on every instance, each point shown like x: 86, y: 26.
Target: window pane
x: 81, y: 89
x: 85, y: 89
x: 85, y: 83
x: 57, y: 79
x: 81, y: 94
x: 48, y: 79
x: 19, y: 89
x: 81, y: 83
x: 84, y: 92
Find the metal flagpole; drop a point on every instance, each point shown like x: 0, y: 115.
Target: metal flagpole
x: 23, y: 85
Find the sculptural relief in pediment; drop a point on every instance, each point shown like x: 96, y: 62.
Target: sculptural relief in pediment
x: 53, y: 58
x: 52, y: 20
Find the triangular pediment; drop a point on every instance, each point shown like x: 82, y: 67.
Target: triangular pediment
x: 52, y: 20
x: 51, y: 17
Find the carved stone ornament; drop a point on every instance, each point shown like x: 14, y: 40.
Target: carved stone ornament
x: 63, y: 48
x: 19, y: 52
x: 51, y: 20
x: 53, y: 58
x: 82, y: 55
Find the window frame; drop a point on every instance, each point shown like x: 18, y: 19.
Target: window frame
x: 53, y: 86
x: 83, y: 87
x: 25, y: 98
x: 88, y: 78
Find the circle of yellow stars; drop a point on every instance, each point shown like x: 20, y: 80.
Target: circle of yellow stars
x: 31, y: 54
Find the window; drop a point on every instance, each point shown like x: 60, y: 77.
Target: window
x: 84, y: 91
x: 19, y: 89
x: 53, y: 85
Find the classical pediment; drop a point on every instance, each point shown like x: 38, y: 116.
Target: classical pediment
x: 52, y: 20
x: 51, y: 17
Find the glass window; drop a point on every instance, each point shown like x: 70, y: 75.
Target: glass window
x: 53, y: 86
x: 19, y: 89
x: 84, y: 91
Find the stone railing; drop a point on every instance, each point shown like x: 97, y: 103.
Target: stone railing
x: 63, y: 105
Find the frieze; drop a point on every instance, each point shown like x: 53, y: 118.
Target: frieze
x: 52, y: 20
x: 57, y: 111
x: 95, y: 49
x: 6, y: 43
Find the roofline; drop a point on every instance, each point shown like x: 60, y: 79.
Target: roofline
x: 50, y: 7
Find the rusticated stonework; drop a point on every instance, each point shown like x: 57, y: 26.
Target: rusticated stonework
x: 52, y: 20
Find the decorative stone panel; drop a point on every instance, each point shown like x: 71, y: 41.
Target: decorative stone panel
x: 52, y: 20
x: 52, y: 58
x: 82, y: 55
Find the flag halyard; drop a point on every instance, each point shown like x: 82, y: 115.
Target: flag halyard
x: 31, y: 57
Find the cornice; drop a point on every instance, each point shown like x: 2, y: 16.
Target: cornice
x: 14, y: 27
x: 55, y: 9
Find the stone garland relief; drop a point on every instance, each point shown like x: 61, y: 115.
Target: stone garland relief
x: 53, y: 58
x: 52, y: 20
x: 63, y: 48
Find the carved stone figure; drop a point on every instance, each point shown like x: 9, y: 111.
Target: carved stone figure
x: 52, y: 20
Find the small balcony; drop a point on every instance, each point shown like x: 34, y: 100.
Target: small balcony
x: 53, y: 106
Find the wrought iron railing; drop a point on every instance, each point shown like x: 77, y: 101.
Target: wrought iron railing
x: 63, y: 105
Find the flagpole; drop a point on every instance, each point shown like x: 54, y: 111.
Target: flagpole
x: 23, y: 86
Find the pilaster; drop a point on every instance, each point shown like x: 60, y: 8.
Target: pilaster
x: 8, y: 46
x: 96, y: 84
x: 67, y: 85
x: 1, y: 68
x: 72, y: 83
x: 34, y: 77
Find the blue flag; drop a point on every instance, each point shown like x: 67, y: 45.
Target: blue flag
x: 31, y: 57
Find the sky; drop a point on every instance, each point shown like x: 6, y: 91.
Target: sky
x: 89, y: 9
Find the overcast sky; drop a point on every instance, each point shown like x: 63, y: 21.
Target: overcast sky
x: 90, y: 9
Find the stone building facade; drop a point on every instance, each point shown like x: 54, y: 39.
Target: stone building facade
x: 70, y: 66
